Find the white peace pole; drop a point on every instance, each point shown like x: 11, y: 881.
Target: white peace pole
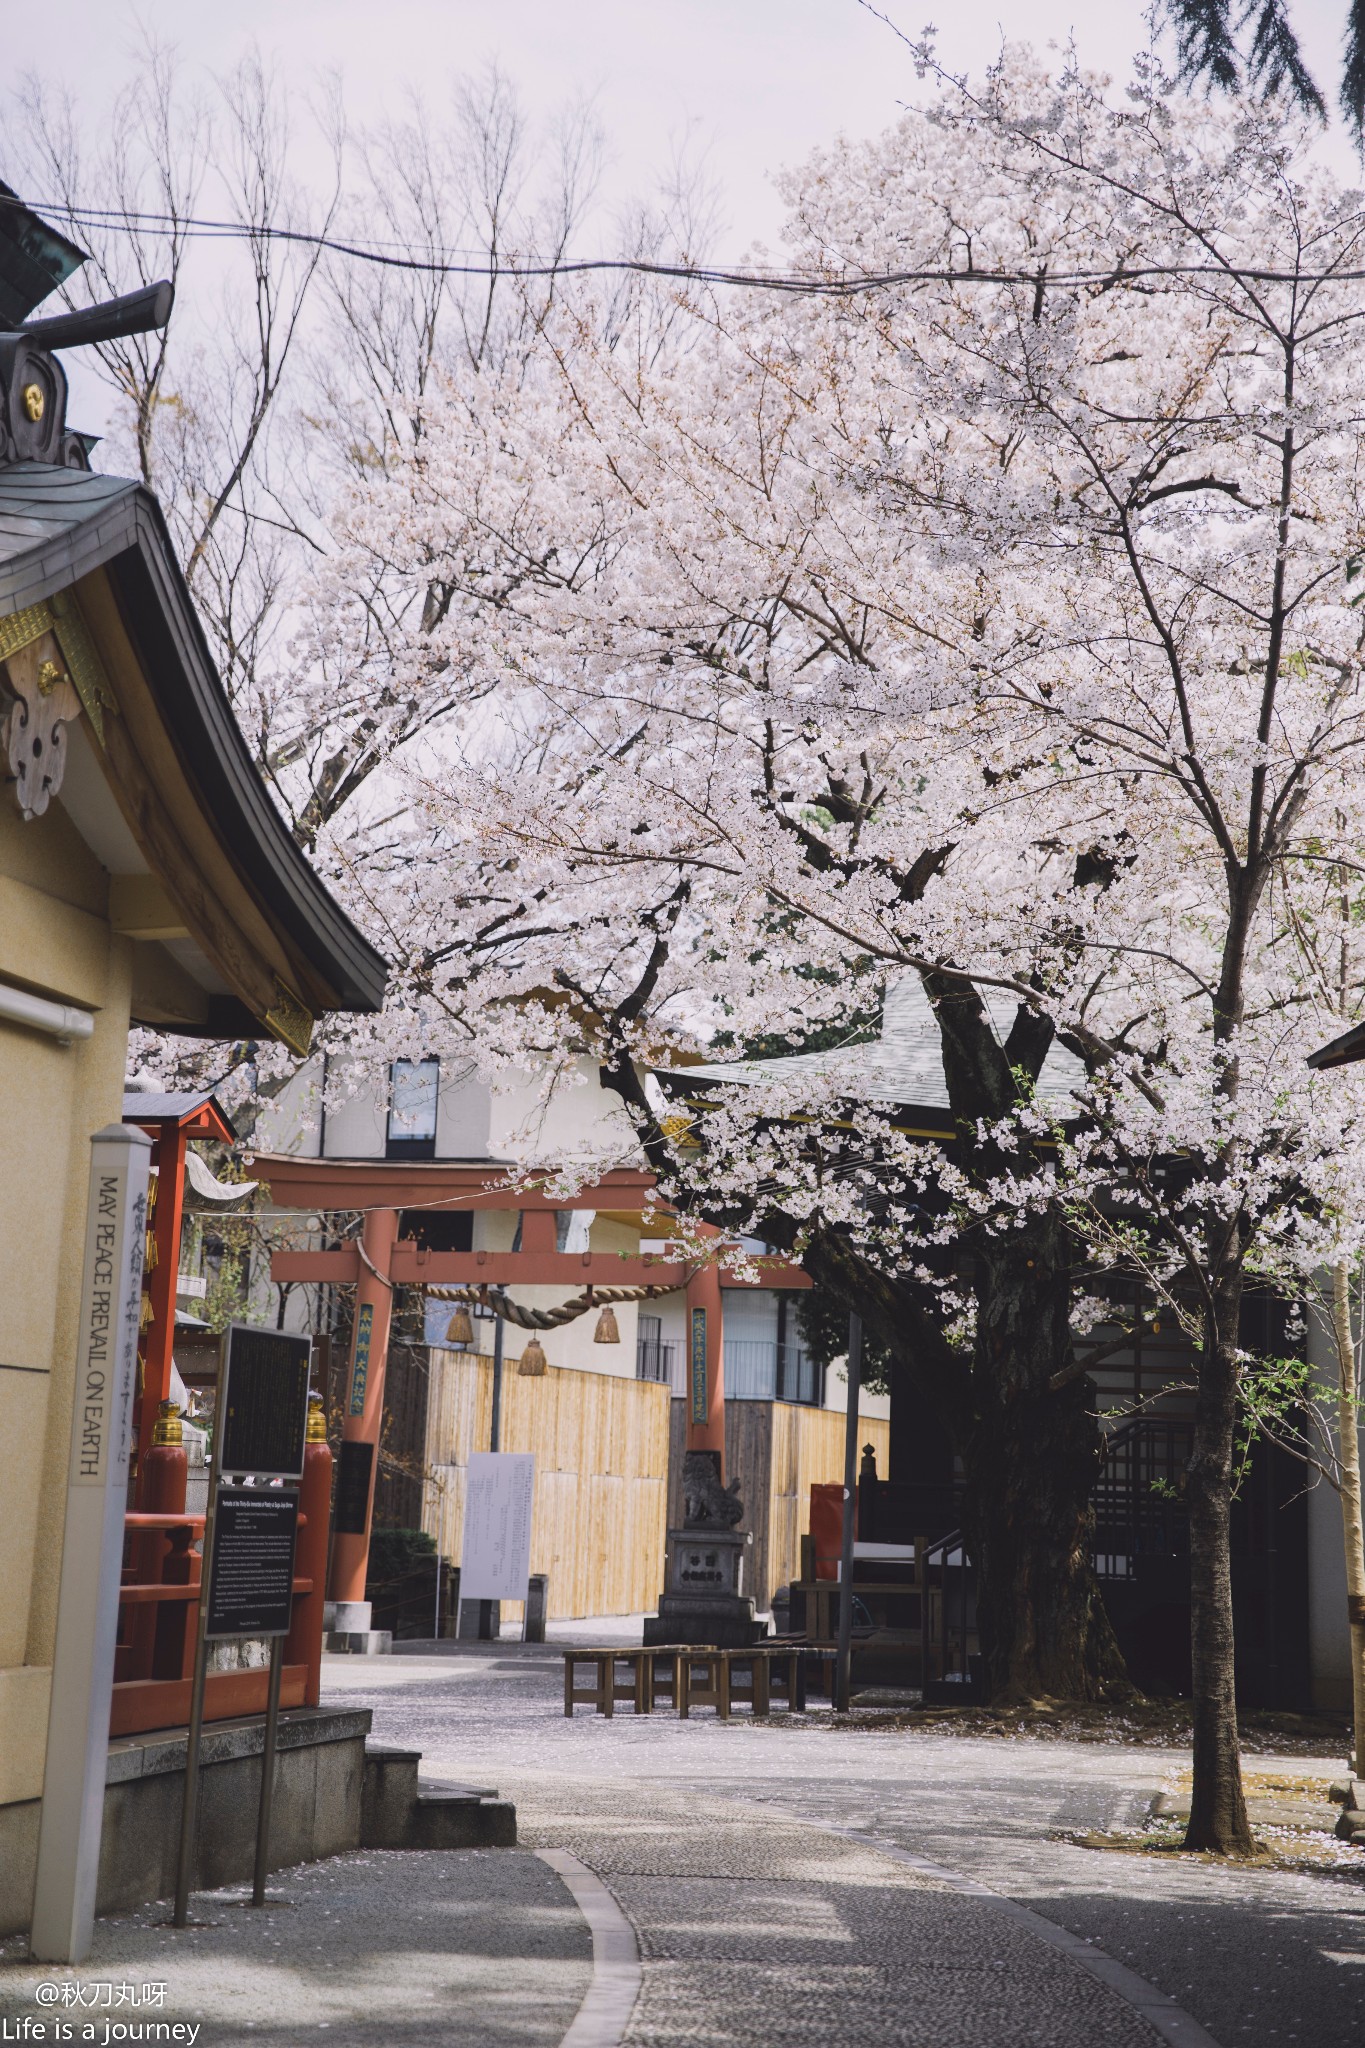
x: 92, y: 1548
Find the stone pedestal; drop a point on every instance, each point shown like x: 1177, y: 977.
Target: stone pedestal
x: 704, y: 1601
x: 347, y: 1632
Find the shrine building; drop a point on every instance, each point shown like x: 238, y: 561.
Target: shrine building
x: 145, y: 878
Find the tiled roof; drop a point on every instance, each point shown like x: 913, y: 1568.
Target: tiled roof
x: 58, y: 525
x: 904, y: 1064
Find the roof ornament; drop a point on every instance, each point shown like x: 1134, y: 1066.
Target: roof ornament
x: 48, y: 669
x: 35, y: 259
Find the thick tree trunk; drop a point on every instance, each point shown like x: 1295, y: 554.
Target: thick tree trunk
x: 1030, y: 1452
x: 1218, y: 1814
x: 1031, y: 1461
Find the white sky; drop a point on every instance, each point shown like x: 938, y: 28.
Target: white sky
x: 761, y: 81
x: 755, y: 83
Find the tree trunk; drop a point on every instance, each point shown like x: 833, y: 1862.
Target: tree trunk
x: 1031, y: 1461
x: 1030, y: 1454
x: 1218, y: 1814
x: 1353, y: 1529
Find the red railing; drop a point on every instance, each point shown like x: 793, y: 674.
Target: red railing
x: 154, y: 1664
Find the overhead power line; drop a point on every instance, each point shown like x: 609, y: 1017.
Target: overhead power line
x: 756, y: 277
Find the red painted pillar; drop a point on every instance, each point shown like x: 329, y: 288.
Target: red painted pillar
x: 162, y: 1480
x: 364, y: 1392
x: 705, y: 1340
x: 160, y: 1286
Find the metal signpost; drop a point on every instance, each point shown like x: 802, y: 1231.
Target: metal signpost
x: 92, y: 1548
x: 250, y: 1531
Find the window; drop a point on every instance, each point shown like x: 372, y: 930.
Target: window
x: 413, y: 1089
x: 656, y: 1359
x: 438, y: 1230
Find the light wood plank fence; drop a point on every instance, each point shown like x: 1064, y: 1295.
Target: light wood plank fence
x: 601, y: 1450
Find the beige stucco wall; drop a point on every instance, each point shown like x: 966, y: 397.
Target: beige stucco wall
x: 55, y: 939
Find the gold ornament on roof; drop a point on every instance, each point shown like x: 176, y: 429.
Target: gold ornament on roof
x: 61, y: 616
x: 289, y: 1020
x: 35, y: 401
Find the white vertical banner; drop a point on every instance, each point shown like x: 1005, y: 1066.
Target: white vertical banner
x: 92, y: 1547
x: 495, y: 1548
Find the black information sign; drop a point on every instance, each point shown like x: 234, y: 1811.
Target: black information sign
x: 353, y: 1489
x: 263, y: 1403
x: 251, y: 1580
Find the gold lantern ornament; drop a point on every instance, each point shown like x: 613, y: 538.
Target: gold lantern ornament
x: 606, y: 1331
x: 166, y: 1429
x: 533, y: 1360
x: 460, y: 1329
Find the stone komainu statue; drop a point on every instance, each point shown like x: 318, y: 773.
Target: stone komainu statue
x: 704, y: 1498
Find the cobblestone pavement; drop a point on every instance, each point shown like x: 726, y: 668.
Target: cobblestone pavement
x: 756, y: 1925
x: 484, y: 1947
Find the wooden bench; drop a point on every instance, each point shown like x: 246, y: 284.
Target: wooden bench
x: 655, y: 1676
x: 604, y: 1690
x: 746, y: 1679
x: 703, y: 1681
x: 684, y: 1676
x: 664, y: 1685
x: 791, y: 1667
x: 754, y: 1676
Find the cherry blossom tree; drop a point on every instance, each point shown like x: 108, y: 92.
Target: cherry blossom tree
x: 994, y: 625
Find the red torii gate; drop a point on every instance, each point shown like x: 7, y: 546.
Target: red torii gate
x: 381, y: 1260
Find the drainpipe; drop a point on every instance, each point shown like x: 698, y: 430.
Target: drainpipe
x: 56, y: 1020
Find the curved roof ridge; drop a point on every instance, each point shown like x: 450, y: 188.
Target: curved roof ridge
x: 58, y: 525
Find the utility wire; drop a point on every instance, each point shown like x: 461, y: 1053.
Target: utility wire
x: 752, y: 277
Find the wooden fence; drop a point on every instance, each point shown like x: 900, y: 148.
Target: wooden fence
x: 601, y: 1450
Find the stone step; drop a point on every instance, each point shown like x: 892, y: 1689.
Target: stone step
x: 398, y: 1811
x: 456, y: 1817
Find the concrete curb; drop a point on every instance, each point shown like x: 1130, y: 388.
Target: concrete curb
x: 605, y: 2013
x: 1177, y: 2027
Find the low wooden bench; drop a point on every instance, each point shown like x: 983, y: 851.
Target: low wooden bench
x: 604, y: 1689
x: 703, y: 1681
x: 688, y: 1675
x: 754, y: 1676
x: 655, y: 1676
x: 665, y: 1682
x: 746, y: 1679
x: 791, y: 1667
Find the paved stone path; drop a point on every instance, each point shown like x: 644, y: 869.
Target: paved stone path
x: 480, y: 1947
x: 754, y: 1929
x: 757, y: 1924
x: 788, y: 1882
